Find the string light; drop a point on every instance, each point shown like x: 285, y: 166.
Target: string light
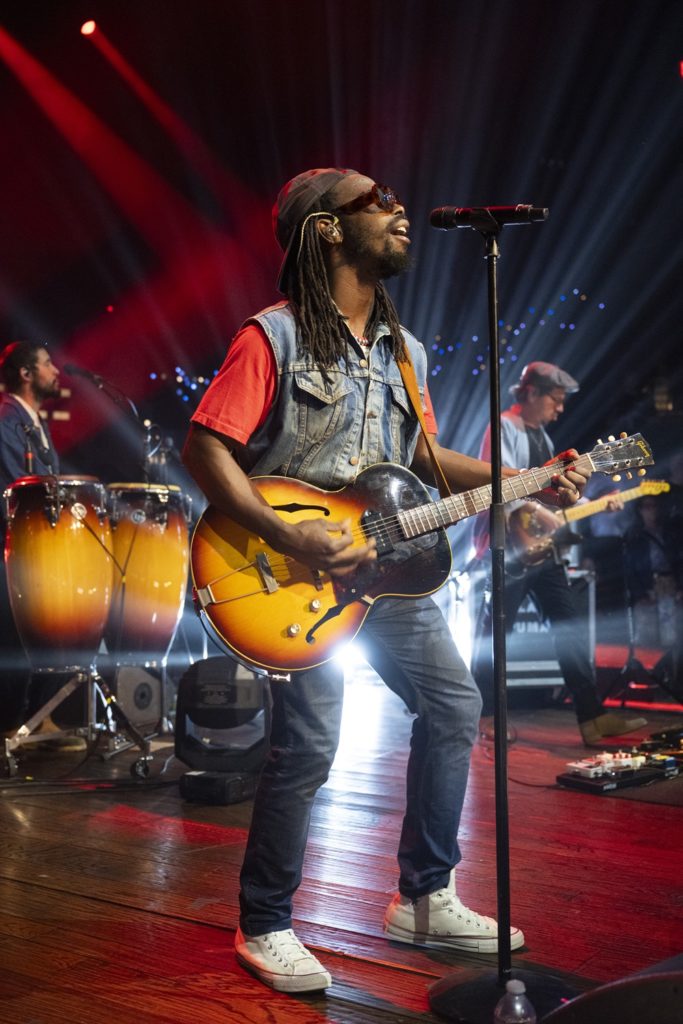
x: 189, y: 387
x: 515, y: 331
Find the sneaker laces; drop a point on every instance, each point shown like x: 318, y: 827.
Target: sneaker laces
x: 452, y: 903
x: 286, y: 948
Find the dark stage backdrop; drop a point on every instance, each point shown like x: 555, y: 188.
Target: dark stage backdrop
x: 140, y: 165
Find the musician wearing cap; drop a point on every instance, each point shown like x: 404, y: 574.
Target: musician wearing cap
x: 29, y: 378
x: 540, y: 396
x: 311, y: 389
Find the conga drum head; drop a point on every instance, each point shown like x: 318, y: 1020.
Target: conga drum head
x: 59, y: 567
x: 151, y: 550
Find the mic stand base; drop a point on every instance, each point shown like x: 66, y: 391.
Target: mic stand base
x: 471, y: 996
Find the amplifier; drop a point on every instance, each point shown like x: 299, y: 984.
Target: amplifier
x: 137, y: 692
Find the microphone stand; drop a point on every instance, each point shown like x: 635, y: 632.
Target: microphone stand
x: 470, y: 997
x: 151, y: 438
x: 28, y: 454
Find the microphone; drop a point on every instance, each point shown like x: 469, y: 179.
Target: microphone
x: 28, y: 454
x: 79, y: 371
x: 485, y: 218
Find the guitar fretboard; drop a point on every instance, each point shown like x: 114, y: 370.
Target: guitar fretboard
x: 600, y: 504
x: 439, y: 514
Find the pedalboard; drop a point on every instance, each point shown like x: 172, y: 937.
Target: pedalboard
x: 654, y: 760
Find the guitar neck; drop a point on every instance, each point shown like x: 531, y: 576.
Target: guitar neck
x: 448, y: 511
x: 570, y: 515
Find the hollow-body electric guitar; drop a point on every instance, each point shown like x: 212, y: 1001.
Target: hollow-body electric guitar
x: 276, y: 613
x: 531, y: 541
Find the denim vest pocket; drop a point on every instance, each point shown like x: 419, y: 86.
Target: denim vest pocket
x: 321, y: 404
x: 401, y: 398
x: 404, y: 423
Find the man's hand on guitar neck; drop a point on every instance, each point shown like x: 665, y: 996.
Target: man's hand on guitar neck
x: 567, y: 487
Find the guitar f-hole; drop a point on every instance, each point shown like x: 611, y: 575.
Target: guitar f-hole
x: 332, y: 613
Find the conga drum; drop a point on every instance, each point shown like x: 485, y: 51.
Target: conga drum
x: 151, y: 555
x: 59, y: 567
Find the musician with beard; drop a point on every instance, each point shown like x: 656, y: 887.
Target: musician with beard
x: 30, y: 378
x: 311, y: 389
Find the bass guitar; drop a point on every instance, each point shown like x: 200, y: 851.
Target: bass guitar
x: 276, y: 613
x: 531, y: 537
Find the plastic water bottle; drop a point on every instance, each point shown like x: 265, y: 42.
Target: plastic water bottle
x: 514, y: 1007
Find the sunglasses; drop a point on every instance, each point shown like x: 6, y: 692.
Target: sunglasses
x: 382, y: 195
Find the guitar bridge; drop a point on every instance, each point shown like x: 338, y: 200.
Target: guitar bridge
x: 203, y: 596
x: 266, y: 573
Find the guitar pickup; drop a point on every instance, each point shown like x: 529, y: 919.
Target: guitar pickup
x: 373, y: 526
x: 266, y: 573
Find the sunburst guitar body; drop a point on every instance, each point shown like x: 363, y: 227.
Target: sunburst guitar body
x: 278, y: 614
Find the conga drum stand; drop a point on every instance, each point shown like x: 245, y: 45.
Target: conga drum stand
x: 60, y: 570
x: 116, y: 724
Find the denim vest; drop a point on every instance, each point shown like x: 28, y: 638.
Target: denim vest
x: 325, y: 431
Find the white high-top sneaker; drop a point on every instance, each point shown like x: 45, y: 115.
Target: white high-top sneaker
x: 441, y: 921
x: 279, y: 960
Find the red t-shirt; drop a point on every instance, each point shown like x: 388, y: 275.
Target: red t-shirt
x: 242, y: 392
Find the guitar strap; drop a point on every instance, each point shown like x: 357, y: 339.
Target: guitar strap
x: 410, y: 381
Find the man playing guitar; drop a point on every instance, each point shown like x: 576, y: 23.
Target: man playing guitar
x: 539, y: 396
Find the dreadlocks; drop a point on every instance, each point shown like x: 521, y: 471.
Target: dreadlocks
x: 322, y: 329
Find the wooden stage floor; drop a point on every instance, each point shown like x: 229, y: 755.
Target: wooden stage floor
x: 119, y: 899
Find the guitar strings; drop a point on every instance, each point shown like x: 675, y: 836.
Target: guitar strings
x: 392, y: 528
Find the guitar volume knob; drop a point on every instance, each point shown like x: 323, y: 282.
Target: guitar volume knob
x: 293, y: 629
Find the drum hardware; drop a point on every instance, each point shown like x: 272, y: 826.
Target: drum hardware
x: 150, y: 547
x: 116, y: 722
x: 60, y: 575
x: 76, y: 578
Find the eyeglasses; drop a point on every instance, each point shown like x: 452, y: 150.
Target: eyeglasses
x: 382, y: 195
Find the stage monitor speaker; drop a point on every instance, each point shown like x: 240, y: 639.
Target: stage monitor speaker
x: 639, y: 999
x: 137, y: 692
x: 222, y: 717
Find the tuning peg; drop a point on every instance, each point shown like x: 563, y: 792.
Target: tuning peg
x: 600, y: 441
x: 629, y: 475
x: 623, y: 434
x: 611, y: 438
x: 616, y: 477
x: 642, y: 472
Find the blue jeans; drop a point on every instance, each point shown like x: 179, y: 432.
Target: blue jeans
x: 409, y: 645
x: 558, y: 601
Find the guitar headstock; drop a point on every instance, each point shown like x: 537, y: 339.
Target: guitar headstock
x: 621, y: 453
x: 654, y: 487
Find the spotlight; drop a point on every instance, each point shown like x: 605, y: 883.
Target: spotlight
x: 87, y: 28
